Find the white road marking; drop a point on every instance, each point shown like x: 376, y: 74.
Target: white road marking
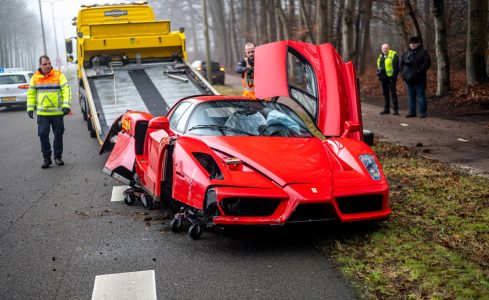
x: 118, y: 193
x: 132, y: 285
x: 462, y: 140
x: 404, y: 124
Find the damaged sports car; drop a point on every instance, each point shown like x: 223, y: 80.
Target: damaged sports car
x: 298, y: 155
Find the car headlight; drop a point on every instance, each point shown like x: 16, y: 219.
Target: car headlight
x: 370, y: 164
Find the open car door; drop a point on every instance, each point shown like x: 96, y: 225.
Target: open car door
x: 316, y: 78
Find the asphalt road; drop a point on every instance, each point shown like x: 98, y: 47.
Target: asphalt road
x: 59, y: 230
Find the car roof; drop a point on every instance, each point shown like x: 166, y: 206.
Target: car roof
x: 17, y: 73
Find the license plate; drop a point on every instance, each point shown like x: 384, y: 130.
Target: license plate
x: 6, y: 99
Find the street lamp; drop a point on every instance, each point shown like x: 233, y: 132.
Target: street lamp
x: 58, y: 60
x: 42, y: 28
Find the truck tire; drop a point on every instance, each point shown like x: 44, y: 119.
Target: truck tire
x: 90, y: 128
x: 83, y: 106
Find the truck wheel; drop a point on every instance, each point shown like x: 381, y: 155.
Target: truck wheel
x: 84, y: 109
x: 90, y: 128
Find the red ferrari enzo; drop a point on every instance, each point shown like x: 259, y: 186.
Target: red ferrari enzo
x: 297, y: 156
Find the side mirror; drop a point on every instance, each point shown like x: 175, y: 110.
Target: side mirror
x: 350, y: 127
x: 159, y: 123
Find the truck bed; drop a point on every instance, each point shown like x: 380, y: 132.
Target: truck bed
x: 154, y: 88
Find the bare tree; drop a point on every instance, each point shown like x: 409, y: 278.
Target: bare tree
x: 476, y: 42
x: 412, y: 15
x: 443, y: 63
x: 347, y: 33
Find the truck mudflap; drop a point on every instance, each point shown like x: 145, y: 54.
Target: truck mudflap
x: 120, y: 164
x: 109, y: 142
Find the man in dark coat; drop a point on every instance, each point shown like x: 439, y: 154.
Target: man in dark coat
x: 414, y: 65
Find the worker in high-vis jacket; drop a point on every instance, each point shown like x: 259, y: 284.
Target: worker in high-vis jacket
x: 50, y: 95
x: 246, y: 67
x: 387, y: 71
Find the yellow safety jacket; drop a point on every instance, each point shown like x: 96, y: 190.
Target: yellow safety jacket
x: 248, y: 85
x: 49, y: 94
x: 387, y: 62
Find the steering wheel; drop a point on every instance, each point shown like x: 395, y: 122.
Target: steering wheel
x: 275, y: 130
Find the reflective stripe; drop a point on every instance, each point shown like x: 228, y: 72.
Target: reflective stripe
x: 49, y: 109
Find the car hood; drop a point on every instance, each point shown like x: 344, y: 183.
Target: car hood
x: 284, y: 160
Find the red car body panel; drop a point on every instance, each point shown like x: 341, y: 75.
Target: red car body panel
x: 295, y: 179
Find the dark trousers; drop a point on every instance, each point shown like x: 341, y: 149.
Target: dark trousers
x: 417, y: 91
x: 390, y: 92
x: 44, y: 124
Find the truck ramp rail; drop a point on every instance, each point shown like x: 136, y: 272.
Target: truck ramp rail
x: 152, y: 87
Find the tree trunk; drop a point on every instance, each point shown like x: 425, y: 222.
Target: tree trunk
x: 207, y: 46
x: 322, y: 21
x: 233, y: 29
x: 476, y: 42
x: 365, y: 47
x: 347, y: 31
x: 271, y: 26
x: 400, y: 10
x: 305, y: 20
x: 412, y: 15
x: 283, y: 20
x: 443, y: 63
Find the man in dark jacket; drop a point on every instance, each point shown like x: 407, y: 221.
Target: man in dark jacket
x: 414, y: 65
x: 387, y: 70
x: 246, y: 68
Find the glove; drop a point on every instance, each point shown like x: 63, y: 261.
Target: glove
x: 30, y: 113
x: 65, y: 111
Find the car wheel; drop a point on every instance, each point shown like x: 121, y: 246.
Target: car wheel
x: 195, y: 231
x: 129, y: 197
x: 176, y: 225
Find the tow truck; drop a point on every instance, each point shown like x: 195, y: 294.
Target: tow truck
x: 128, y: 60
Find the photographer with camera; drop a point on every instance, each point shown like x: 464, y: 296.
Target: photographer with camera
x: 246, y: 68
x: 387, y: 70
x: 414, y: 64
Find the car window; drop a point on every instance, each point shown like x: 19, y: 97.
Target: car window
x: 246, y: 118
x: 12, y: 79
x: 302, y: 83
x: 177, y: 114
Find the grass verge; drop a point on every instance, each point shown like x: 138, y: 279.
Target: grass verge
x: 436, y: 243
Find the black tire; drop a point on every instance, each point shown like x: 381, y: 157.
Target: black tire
x: 195, y: 231
x: 176, y: 225
x: 90, y: 128
x: 84, y: 109
x: 129, y: 198
x: 149, y: 202
x: 368, y: 137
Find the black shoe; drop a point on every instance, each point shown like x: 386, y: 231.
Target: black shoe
x: 410, y: 115
x: 59, y: 162
x: 395, y: 113
x: 384, y: 112
x: 46, y: 163
x: 423, y: 116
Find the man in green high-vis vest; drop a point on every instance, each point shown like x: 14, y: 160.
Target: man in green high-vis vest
x: 387, y: 70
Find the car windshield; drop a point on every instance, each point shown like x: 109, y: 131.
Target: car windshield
x: 246, y: 118
x: 12, y: 79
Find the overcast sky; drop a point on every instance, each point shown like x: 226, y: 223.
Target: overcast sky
x: 64, y: 11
